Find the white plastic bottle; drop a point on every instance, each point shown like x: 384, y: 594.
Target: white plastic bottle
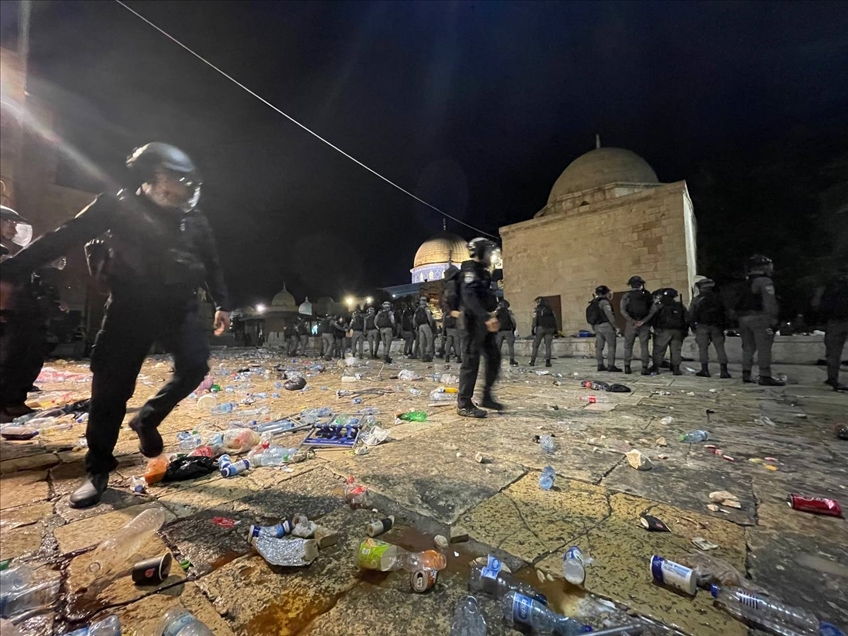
x: 765, y: 612
x: 178, y: 621
x: 115, y: 552
x: 468, y: 619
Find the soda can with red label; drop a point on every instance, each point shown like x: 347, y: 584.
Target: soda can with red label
x: 816, y: 505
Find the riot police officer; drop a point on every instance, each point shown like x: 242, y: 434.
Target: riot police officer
x: 478, y: 303
x: 372, y: 333
x: 407, y: 330
x: 758, y: 316
x: 834, y: 309
x: 302, y: 335
x: 506, y: 331
x: 543, y: 328
x: 637, y: 307
x: 357, y: 328
x: 385, y: 321
x: 424, y: 322
x: 708, y: 317
x: 671, y: 326
x: 160, y: 250
x: 328, y: 341
x: 601, y: 316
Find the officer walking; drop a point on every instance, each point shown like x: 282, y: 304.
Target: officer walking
x: 424, y: 322
x: 758, y: 316
x: 637, y: 307
x: 302, y: 335
x: 372, y: 332
x: 670, y: 328
x: 834, y: 309
x: 544, y: 327
x: 708, y: 318
x: 506, y: 331
x: 357, y: 327
x: 600, y: 315
x: 478, y: 304
x: 407, y: 330
x: 160, y: 250
x: 339, y: 333
x: 328, y: 341
x: 386, y: 323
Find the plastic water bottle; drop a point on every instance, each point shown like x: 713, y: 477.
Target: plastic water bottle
x: 494, y: 581
x: 273, y: 456
x: 221, y: 409
x: 546, y: 480
x: 189, y: 440
x: 111, y: 555
x: 573, y: 566
x: 178, y: 621
x: 522, y: 611
x: 764, y: 612
x: 24, y: 599
x: 547, y: 443
x: 313, y: 416
x: 693, y: 437
x: 15, y: 578
x: 468, y: 619
x: 109, y: 626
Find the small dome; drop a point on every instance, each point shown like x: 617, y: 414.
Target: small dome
x: 601, y: 167
x: 305, y: 307
x: 284, y: 300
x: 441, y: 248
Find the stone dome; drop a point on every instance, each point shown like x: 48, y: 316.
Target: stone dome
x: 441, y: 248
x: 305, y: 307
x: 601, y: 167
x: 284, y: 301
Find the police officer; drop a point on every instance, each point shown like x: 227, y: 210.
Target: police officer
x: 386, y: 324
x: 758, y: 316
x: 160, y: 250
x: 328, y: 341
x: 372, y: 332
x: 357, y: 328
x: 407, y: 329
x: 339, y: 333
x: 708, y: 318
x: 452, y: 341
x: 637, y: 307
x: 302, y: 335
x: 478, y: 303
x: 424, y: 322
x: 506, y: 331
x: 834, y: 309
x: 290, y: 337
x: 671, y: 326
x: 601, y: 316
x: 544, y: 328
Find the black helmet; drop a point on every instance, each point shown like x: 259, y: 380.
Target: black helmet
x: 386, y: 304
x: 602, y: 290
x: 666, y: 295
x: 145, y: 159
x: 705, y: 283
x: 23, y: 228
x: 479, y: 247
x: 635, y: 281
x: 504, y: 302
x: 758, y: 261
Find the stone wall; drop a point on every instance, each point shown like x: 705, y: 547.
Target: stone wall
x: 650, y: 233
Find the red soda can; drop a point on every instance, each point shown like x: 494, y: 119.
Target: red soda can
x: 201, y: 451
x: 816, y: 505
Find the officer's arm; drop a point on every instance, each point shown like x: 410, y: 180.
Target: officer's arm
x: 607, y: 307
x: 765, y: 287
x: 625, y: 301
x: 215, y: 283
x: 92, y: 221
x: 655, y: 307
x: 693, y: 312
x: 471, y: 297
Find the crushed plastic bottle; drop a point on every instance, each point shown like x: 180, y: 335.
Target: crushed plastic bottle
x: 524, y: 612
x: 356, y: 495
x: 667, y: 421
x: 407, y: 375
x: 546, y: 479
x: 222, y: 409
x: 138, y: 485
x: 109, y: 626
x: 413, y: 416
x: 25, y: 599
x: 546, y: 442
x: 468, y: 619
x: 272, y: 456
x: 765, y: 612
x: 189, y: 440
x: 15, y: 578
x: 385, y: 557
x: 491, y: 579
x: 315, y: 415
x: 178, y: 621
x: 574, y: 566
x: 113, y: 554
x: 693, y: 437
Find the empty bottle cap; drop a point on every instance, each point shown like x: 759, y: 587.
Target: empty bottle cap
x: 714, y: 590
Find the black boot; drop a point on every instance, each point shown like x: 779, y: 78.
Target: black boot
x: 89, y: 492
x: 725, y: 374
x: 705, y: 371
x: 675, y: 369
x: 532, y: 362
x: 767, y: 380
x: 654, y: 370
x: 627, y: 369
x: 490, y: 403
x: 471, y: 411
x: 746, y: 377
x: 548, y: 363
x: 513, y: 363
x: 149, y: 440
x: 601, y: 367
x: 613, y: 369
x: 646, y: 371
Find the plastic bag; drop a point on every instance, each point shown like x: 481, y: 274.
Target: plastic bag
x: 712, y: 571
x: 183, y: 468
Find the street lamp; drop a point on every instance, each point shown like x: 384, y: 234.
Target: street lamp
x: 369, y: 300
x: 260, y: 308
x: 349, y: 301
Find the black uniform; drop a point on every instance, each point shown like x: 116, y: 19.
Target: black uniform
x: 834, y: 307
x: 157, y: 259
x: 478, y: 301
x: 544, y: 328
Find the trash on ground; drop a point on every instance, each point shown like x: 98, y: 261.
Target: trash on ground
x: 653, y: 524
x: 355, y: 494
x: 673, y: 575
x: 277, y: 531
x: 703, y: 544
x: 725, y: 498
x: 379, y: 526
x: 183, y: 468
x: 574, y: 566
x: 815, y: 505
x: 527, y: 613
x: 494, y: 578
x: 441, y: 542
x: 152, y: 571
x: 661, y: 442
x: 667, y: 420
x: 288, y: 552
x: 468, y: 619
x: 546, y: 479
x: 638, y: 460
x: 763, y: 421
x: 325, y: 537
x: 384, y: 557
x: 480, y: 458
x: 413, y: 416
x: 178, y: 619
x: 113, y: 555
x: 693, y: 437
x: 765, y: 611
x: 546, y: 442
x: 458, y: 534
x: 423, y: 580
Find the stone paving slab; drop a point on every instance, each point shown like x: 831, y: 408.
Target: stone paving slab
x: 92, y: 530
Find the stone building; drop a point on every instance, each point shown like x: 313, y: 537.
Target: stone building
x: 607, y: 218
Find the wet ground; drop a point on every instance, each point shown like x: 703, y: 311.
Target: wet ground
x: 428, y: 475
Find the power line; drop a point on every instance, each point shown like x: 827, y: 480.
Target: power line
x: 294, y: 121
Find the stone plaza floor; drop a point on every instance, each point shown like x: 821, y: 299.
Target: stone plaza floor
x: 428, y: 475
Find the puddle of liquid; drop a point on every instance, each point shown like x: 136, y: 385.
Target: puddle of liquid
x: 563, y: 597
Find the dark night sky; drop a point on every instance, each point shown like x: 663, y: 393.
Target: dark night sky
x: 475, y: 106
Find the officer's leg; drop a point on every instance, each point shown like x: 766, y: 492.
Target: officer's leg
x: 702, y: 338
x: 600, y: 340
x: 329, y: 345
x: 749, y: 344
x: 644, y: 346
x: 764, y: 341
x: 537, y: 340
x: 21, y: 341
x: 612, y: 345
x: 472, y: 348
x: 717, y: 337
x: 493, y: 364
x: 510, y: 343
x: 835, y: 336
x: 676, y: 345
x: 387, y: 343
x: 432, y: 339
x: 662, y: 337
x: 119, y: 351
x: 499, y: 339
x: 630, y: 332
x: 416, y: 347
x: 187, y: 342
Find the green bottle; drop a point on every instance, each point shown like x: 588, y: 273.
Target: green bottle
x: 414, y: 416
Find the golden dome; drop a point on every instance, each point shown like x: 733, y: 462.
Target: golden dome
x: 601, y: 167
x: 441, y: 248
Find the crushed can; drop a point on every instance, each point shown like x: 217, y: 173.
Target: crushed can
x: 423, y: 580
x: 816, y: 505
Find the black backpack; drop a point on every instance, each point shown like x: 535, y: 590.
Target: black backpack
x: 594, y: 313
x: 672, y: 317
x: 710, y: 310
x: 451, y: 293
x: 639, y: 303
x: 383, y: 319
x: 421, y: 317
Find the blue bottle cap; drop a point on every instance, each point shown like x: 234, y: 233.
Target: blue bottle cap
x: 714, y: 590
x: 828, y: 629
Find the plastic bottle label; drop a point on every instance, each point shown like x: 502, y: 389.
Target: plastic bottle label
x: 492, y: 569
x: 521, y: 608
x: 371, y: 553
x: 673, y: 574
x: 176, y: 626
